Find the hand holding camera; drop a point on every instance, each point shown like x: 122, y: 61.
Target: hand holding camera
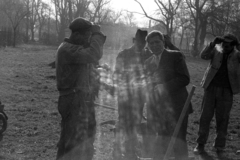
x: 218, y: 40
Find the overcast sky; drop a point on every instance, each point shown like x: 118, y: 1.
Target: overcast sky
x: 131, y: 5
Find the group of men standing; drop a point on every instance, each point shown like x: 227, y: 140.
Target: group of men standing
x: 156, y: 77
x: 151, y: 73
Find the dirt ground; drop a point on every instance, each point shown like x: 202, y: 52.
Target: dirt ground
x: 28, y: 91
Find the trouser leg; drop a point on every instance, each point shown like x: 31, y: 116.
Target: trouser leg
x: 89, y: 150
x: 223, y: 108
x: 135, y: 118
x: 61, y: 145
x: 163, y: 141
x: 78, y: 129
x: 65, y: 106
x: 151, y: 133
x: 207, y: 113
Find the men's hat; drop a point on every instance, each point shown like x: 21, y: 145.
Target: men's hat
x: 80, y: 24
x: 141, y: 35
x: 230, y: 38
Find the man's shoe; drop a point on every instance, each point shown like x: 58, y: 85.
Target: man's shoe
x: 199, y: 149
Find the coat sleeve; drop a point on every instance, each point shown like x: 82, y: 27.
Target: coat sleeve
x: 208, y: 52
x: 119, y: 65
x: 91, y: 54
x: 182, y: 77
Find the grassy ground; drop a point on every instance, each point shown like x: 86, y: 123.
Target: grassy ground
x: 28, y: 91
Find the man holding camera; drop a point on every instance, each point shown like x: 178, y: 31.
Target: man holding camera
x: 76, y: 74
x: 220, y: 82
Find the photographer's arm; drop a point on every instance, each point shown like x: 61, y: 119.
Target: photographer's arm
x: 91, y: 54
x: 208, y: 52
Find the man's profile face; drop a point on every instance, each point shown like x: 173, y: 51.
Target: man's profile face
x: 227, y: 47
x: 155, y: 44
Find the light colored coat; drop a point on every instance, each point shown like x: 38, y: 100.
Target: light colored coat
x: 211, y: 53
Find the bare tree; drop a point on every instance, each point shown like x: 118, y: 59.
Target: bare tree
x: 70, y: 13
x: 82, y: 7
x: 200, y: 10
x: 27, y: 4
x: 100, y: 10
x: 42, y: 15
x: 62, y: 19
x: 129, y: 19
x: 34, y: 5
x: 234, y: 26
x: 183, y: 24
x: 166, y: 13
x: 15, y: 11
x: 114, y: 16
x: 225, y: 17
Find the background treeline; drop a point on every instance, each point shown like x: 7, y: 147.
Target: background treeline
x: 191, y: 23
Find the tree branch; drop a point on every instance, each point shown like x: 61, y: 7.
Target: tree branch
x: 145, y: 13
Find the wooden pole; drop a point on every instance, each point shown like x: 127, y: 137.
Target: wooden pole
x: 179, y: 123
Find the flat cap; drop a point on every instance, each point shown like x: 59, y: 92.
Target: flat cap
x: 80, y: 24
x: 230, y: 38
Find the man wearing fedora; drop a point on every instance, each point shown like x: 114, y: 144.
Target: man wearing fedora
x: 220, y: 82
x: 128, y: 72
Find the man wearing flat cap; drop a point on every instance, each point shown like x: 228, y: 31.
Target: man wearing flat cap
x: 220, y: 82
x: 76, y: 74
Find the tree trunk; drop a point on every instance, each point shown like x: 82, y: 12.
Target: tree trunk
x: 27, y: 28
x: 61, y: 35
x: 27, y: 24
x: 181, y: 39
x: 195, y: 49
x: 32, y: 32
x: 70, y: 10
x: 202, y: 35
x: 40, y: 32
x: 14, y: 36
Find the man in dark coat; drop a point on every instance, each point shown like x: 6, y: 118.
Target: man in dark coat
x: 169, y: 77
x: 76, y: 76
